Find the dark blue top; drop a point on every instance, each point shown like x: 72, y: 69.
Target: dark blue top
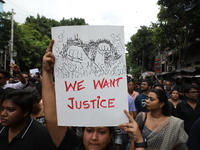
x: 194, y: 136
x: 140, y: 102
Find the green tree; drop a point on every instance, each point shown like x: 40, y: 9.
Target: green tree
x: 178, y: 26
x: 30, y: 47
x: 5, y: 26
x: 141, y: 51
x: 42, y: 24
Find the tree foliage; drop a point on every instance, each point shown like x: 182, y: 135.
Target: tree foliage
x: 30, y: 38
x: 141, y: 51
x: 177, y: 29
x: 5, y: 26
x: 178, y: 25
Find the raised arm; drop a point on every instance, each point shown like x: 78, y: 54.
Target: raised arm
x: 16, y: 69
x: 49, y: 101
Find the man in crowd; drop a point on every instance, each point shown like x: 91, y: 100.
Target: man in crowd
x: 189, y: 109
x: 168, y: 86
x: 140, y: 101
x: 5, y: 75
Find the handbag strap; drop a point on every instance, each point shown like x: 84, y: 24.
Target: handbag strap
x: 143, y: 123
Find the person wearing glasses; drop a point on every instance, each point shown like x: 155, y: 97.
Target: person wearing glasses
x: 189, y: 109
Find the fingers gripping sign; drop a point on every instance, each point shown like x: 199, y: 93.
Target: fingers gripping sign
x: 132, y: 128
x: 48, y: 58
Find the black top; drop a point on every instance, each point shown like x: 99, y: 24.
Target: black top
x: 194, y: 136
x: 70, y: 141
x: 34, y: 136
x: 188, y: 114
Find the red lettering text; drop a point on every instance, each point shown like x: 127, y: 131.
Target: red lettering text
x: 106, y: 83
x: 76, y: 86
x: 110, y: 102
x: 91, y: 104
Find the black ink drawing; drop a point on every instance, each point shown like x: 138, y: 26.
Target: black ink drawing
x: 76, y: 58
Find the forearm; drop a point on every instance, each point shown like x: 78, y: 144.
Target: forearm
x: 49, y: 100
x: 21, y: 78
x: 48, y: 95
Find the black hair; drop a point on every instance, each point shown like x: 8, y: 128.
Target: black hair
x: 5, y: 73
x: 174, y: 89
x: 130, y: 80
x: 24, y: 98
x: 158, y: 85
x: 111, y: 129
x: 161, y: 95
x: 149, y: 82
x: 195, y: 82
x: 26, y: 73
x: 32, y: 79
x: 189, y: 87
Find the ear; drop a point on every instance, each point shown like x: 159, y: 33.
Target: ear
x: 162, y: 104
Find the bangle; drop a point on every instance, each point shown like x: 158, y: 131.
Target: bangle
x: 141, y: 144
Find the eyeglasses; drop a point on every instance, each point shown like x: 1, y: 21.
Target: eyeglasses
x: 193, y: 92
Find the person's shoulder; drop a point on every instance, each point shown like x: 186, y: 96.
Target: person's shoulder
x: 135, y: 93
x: 140, y: 95
x: 1, y: 126
x: 39, y: 127
x: 182, y: 102
x: 176, y: 120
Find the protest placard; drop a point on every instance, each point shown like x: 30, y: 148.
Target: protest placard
x: 90, y: 75
x: 33, y: 71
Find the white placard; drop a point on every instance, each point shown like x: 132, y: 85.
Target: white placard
x: 90, y: 75
x: 33, y: 71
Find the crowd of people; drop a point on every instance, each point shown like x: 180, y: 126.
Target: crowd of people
x: 162, y: 116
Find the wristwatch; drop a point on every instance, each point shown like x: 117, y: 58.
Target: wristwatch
x: 141, y: 144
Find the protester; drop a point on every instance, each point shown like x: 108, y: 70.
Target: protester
x: 138, y: 87
x: 172, y: 110
x: 63, y: 137
x: 11, y: 80
x: 161, y: 130
x: 194, y: 136
x: 5, y: 75
x: 38, y: 110
x: 140, y: 100
x: 131, y: 92
x: 174, y: 97
x: 168, y: 87
x: 189, y: 109
x: 17, y: 129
